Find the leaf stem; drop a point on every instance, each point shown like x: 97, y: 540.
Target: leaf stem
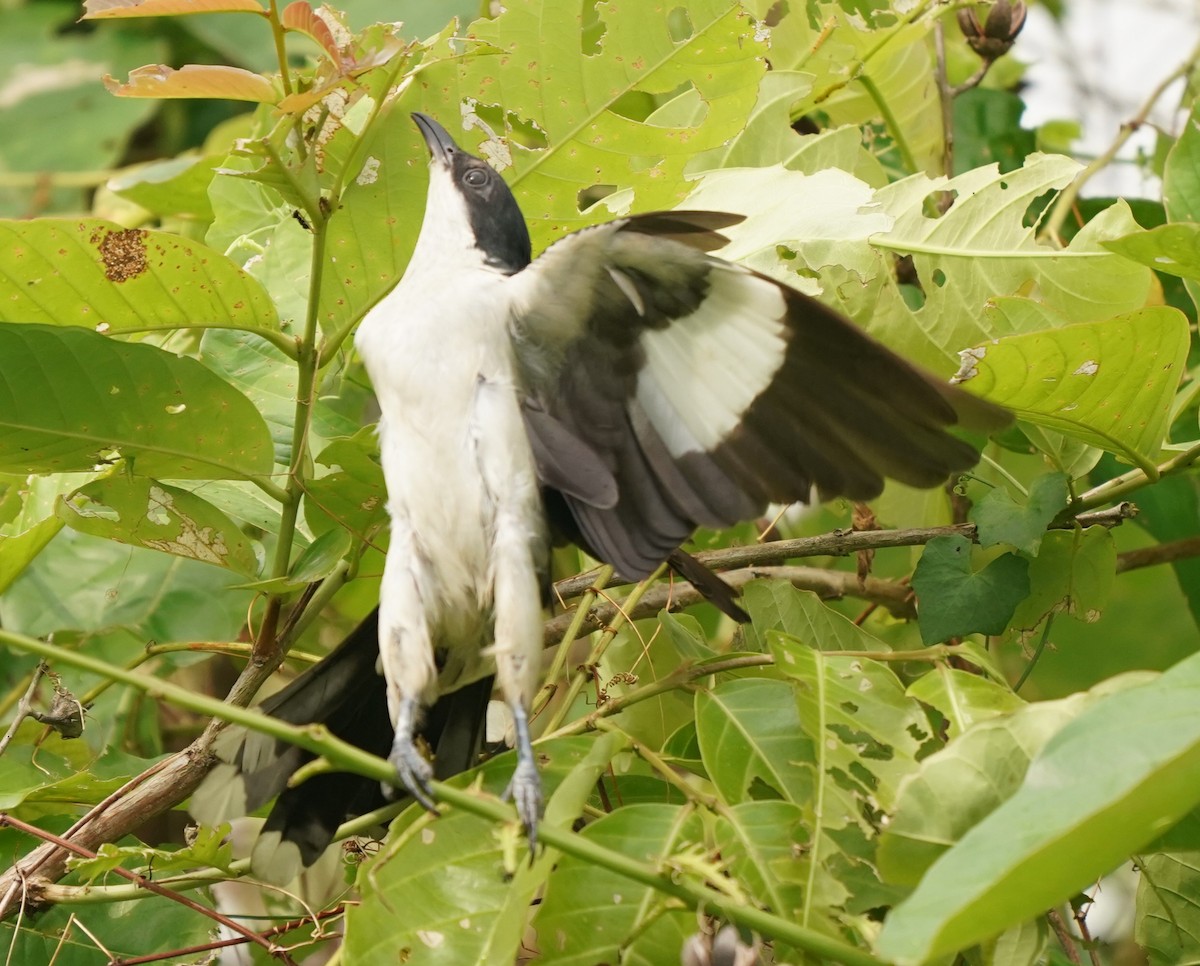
x: 1120, y: 486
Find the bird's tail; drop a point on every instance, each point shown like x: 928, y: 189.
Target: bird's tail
x: 346, y: 694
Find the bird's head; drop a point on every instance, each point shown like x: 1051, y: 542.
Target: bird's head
x: 469, y: 205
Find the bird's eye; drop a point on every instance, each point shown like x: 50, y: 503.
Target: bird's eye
x: 475, y: 177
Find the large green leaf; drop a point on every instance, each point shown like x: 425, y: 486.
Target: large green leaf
x: 1104, y: 786
x: 96, y: 274
x: 69, y: 398
x: 981, y: 249
x: 571, y: 113
x: 1110, y: 384
x: 449, y: 875
x: 590, y: 913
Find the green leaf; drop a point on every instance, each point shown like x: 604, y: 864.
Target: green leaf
x: 448, y: 874
x: 580, y: 137
x: 27, y: 520
x: 589, y: 913
x: 1110, y: 384
x: 981, y: 250
x: 1073, y: 573
x: 1104, y: 786
x: 150, y: 514
x: 749, y: 731
x: 1000, y: 519
x: 953, y: 599
x: 70, y: 397
x: 352, y: 495
x: 761, y: 840
x: 777, y: 605
x: 1174, y: 249
x: 172, y: 186
x: 1181, y: 182
x: 862, y: 726
x: 101, y: 276
x: 1168, y: 908
x: 963, y: 698
x: 955, y: 788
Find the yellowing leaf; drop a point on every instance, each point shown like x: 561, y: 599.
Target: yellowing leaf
x: 195, y: 80
x: 109, y: 9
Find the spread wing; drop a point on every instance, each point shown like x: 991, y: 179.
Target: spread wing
x: 704, y: 390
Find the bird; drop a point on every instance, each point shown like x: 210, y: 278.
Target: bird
x: 618, y: 391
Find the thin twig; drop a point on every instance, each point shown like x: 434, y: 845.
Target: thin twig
x: 149, y: 885
x: 24, y: 706
x: 1065, y: 202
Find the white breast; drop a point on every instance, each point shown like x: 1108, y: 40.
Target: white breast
x: 445, y: 385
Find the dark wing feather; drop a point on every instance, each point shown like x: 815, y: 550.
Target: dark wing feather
x: 707, y: 390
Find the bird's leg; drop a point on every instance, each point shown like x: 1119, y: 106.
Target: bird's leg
x: 525, y: 786
x: 412, y: 768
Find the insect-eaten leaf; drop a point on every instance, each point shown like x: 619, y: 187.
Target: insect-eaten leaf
x: 147, y: 513
x: 1074, y: 572
x: 1000, y: 519
x: 953, y: 599
x: 1109, y: 384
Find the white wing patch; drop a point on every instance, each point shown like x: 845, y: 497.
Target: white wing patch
x: 704, y: 370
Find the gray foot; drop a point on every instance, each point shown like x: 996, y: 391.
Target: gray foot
x: 413, y: 771
x: 525, y: 787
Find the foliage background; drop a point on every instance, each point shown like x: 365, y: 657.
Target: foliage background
x: 185, y: 481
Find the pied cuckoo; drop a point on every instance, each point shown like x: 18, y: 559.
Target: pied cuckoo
x: 620, y: 390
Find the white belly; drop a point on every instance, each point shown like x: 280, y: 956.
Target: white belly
x: 455, y: 455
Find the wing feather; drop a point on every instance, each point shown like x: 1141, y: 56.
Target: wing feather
x: 708, y: 390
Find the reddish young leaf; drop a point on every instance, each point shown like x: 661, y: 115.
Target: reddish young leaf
x: 301, y: 17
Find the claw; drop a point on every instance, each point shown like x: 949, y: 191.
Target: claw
x: 525, y: 788
x: 413, y: 771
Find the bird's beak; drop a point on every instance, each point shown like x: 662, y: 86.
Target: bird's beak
x: 441, y: 145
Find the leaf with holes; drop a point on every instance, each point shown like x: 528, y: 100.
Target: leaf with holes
x: 1109, y: 384
x: 147, y: 513
x: 953, y: 599
x: 96, y: 274
x: 981, y: 249
x: 70, y: 399
x: 572, y: 86
x: 950, y: 791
